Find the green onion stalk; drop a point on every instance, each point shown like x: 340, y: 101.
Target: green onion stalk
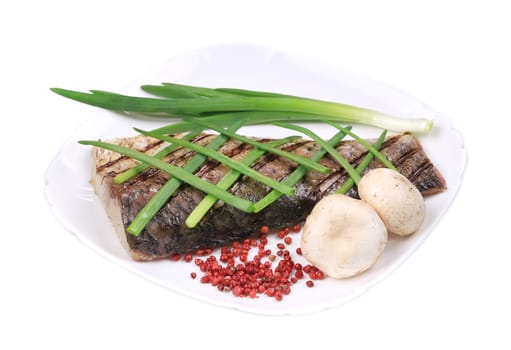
x: 188, y: 101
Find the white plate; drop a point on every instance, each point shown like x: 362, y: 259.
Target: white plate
x: 72, y: 199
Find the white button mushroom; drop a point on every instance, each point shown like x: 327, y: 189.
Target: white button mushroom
x: 343, y: 236
x: 397, y: 201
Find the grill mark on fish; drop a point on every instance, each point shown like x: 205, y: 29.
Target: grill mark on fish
x: 121, y: 157
x: 154, y: 144
x: 332, y: 180
x: 177, y: 157
x: 420, y: 170
x: 152, y: 172
x: 211, y: 165
x: 389, y: 142
x: 270, y: 157
x: 405, y: 157
x: 111, y: 163
x: 167, y: 234
x: 427, y: 181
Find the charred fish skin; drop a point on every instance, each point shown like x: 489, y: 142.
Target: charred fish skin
x: 167, y: 233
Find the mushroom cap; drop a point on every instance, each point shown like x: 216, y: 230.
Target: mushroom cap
x: 343, y: 236
x: 398, y: 202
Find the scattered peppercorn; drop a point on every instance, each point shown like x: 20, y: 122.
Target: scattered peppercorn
x: 176, y: 257
x: 239, y: 271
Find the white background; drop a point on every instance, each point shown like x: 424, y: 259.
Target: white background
x: 454, y: 55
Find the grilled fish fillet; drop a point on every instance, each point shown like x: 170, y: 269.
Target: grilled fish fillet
x: 167, y: 234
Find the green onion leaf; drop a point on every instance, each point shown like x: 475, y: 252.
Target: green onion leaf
x: 252, y: 93
x: 166, y: 191
x: 366, y: 144
x: 295, y: 158
x: 132, y: 172
x: 228, y: 180
x: 298, y: 173
x: 332, y: 151
x: 178, y: 173
x: 172, y: 90
x: 224, y: 159
x: 251, y: 117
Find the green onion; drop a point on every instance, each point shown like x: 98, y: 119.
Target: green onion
x: 252, y: 93
x: 185, y: 126
x: 132, y: 172
x: 227, y: 181
x: 295, y: 158
x: 177, y: 172
x: 366, y: 144
x: 330, y: 149
x: 348, y: 184
x: 162, y: 196
x: 172, y: 90
x: 298, y: 173
x: 224, y: 159
x: 235, y: 100
x: 251, y: 117
x: 226, y: 119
